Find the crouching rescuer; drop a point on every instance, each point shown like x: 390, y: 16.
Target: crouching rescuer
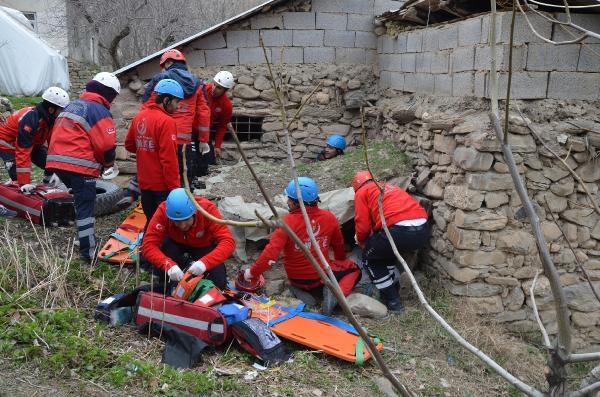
x: 82, y: 143
x: 179, y: 239
x: 407, y: 222
x: 305, y: 282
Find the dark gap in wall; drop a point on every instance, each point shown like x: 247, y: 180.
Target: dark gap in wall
x: 247, y: 128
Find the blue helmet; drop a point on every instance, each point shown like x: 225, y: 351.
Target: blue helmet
x: 337, y: 141
x: 179, y: 205
x: 308, y: 190
x: 170, y: 87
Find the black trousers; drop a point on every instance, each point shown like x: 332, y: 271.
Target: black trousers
x: 151, y: 200
x: 204, y: 160
x: 184, y: 255
x: 378, y: 257
x: 38, y: 157
x: 191, y: 155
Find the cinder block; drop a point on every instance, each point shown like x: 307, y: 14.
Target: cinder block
x: 370, y: 57
x: 400, y: 43
x: 267, y: 21
x: 299, y: 20
x: 430, y: 39
x: 350, y: 55
x: 469, y: 32
x: 385, y: 79
x: 242, y: 38
x: 546, y: 57
x: 308, y: 38
x: 425, y: 83
x: 210, y: 42
x: 365, y: 40
x: 395, y: 62
x: 332, y: 21
x: 196, y: 58
x: 349, y: 6
x: 382, y: 6
x: 462, y: 84
x: 586, y: 21
x: 480, y: 84
x: 448, y: 37
x: 440, y: 62
x: 443, y: 85
x: 387, y: 44
x: 363, y: 23
x: 523, y: 33
x: 319, y: 55
x: 409, y: 62
x: 423, y: 62
x: 397, y: 81
x: 483, y: 60
x: 462, y: 59
x: 221, y: 57
x: 384, y: 61
x: 588, y: 58
x: 273, y: 38
x: 339, y: 38
x: 410, y: 82
x: 287, y: 55
x: 524, y: 85
x: 253, y: 56
x: 574, y: 86
x: 414, y: 41
x: 485, y: 27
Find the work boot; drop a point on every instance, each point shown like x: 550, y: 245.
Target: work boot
x: 391, y: 298
x: 329, y: 301
x: 125, y: 202
x: 303, y: 295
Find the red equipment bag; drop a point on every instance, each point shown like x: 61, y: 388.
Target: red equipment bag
x: 44, y: 206
x: 206, y: 323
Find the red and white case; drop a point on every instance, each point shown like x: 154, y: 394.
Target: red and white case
x: 43, y: 206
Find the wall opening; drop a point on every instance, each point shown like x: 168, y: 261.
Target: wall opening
x: 247, y: 128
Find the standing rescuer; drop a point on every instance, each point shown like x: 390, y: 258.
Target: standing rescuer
x: 336, y: 144
x: 221, y: 110
x: 179, y: 239
x: 24, y: 134
x: 152, y: 137
x: 306, y: 284
x: 82, y: 143
x: 407, y: 222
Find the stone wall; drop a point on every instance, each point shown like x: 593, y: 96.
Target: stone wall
x: 454, y: 59
x: 79, y: 74
x: 481, y: 242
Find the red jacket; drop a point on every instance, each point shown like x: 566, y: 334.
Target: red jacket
x: 397, y: 206
x: 203, y: 233
x: 20, y: 133
x: 192, y: 117
x: 327, y: 232
x: 83, y: 137
x: 221, y: 110
x: 152, y: 137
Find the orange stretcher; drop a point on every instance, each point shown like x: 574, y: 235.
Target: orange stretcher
x: 123, y: 245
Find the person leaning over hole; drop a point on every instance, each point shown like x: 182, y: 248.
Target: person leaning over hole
x: 336, y: 144
x: 24, y: 135
x: 152, y: 137
x: 306, y: 284
x: 407, y: 222
x: 179, y: 239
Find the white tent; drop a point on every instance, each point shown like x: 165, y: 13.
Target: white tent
x: 27, y: 65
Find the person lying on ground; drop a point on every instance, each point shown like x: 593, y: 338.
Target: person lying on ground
x: 25, y: 134
x: 152, y: 137
x: 407, y: 222
x: 336, y: 144
x: 179, y: 239
x: 306, y: 284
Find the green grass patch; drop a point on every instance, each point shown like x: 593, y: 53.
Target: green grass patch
x: 19, y: 102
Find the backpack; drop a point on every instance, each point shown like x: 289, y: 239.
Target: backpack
x: 256, y: 338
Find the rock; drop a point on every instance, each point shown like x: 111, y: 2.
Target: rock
x: 121, y: 153
x: 245, y: 92
x: 135, y: 85
x: 481, y: 219
x: 366, y: 306
x: 495, y: 199
x: 551, y: 230
x: 537, y: 180
x: 322, y: 98
x: 470, y: 159
x: 525, y: 272
x: 245, y: 79
x: 555, y: 173
x: 340, y: 129
x: 444, y: 143
x: 510, y: 316
x: 474, y: 290
x: 514, y: 300
x: 522, y: 326
x: 464, y: 274
x: 403, y: 116
x: 486, y: 305
x: 542, y: 286
x: 490, y: 181
x: 433, y: 190
x: 460, y: 196
x: 510, y: 281
x: 516, y: 242
x: 354, y: 99
x: 592, y: 264
x: 422, y: 178
x: 272, y: 126
x: 354, y: 84
x: 262, y: 83
x: 568, y: 279
x: 501, y: 167
x: 464, y: 128
x: 596, y: 231
x: 581, y: 216
x: 484, y: 141
x: 384, y: 385
x: 584, y: 320
x: 463, y: 239
x: 478, y: 258
x: 581, y: 298
x: 556, y: 203
x: 589, y: 172
x: 268, y: 137
x: 274, y: 287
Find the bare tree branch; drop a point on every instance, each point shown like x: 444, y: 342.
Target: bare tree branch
x: 581, y: 357
x: 586, y: 391
x: 535, y: 312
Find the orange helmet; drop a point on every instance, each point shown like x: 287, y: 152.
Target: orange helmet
x: 174, y: 55
x: 360, y: 178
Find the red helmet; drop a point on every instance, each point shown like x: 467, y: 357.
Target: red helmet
x: 360, y: 178
x: 249, y: 286
x: 174, y: 55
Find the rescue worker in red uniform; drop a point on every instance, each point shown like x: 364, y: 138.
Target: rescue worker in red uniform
x: 152, y: 137
x: 407, y: 222
x: 178, y: 239
x: 305, y: 282
x: 82, y: 143
x: 221, y: 110
x: 25, y: 134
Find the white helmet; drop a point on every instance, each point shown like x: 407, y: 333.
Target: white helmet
x: 56, y: 96
x: 224, y: 79
x: 109, y: 80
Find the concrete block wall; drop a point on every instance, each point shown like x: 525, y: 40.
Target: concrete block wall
x: 454, y: 60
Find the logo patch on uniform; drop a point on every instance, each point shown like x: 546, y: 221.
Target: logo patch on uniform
x: 159, y: 226
x: 200, y: 233
x: 27, y: 128
x: 141, y: 127
x: 110, y: 131
x: 218, y: 109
